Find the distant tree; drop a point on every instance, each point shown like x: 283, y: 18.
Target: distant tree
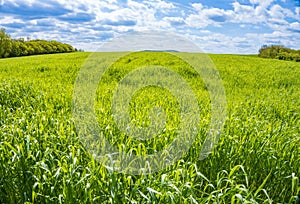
x: 24, y: 49
x: 37, y: 46
x: 16, y: 49
x: 47, y: 47
x: 279, y: 52
x: 5, y: 44
x: 19, y: 47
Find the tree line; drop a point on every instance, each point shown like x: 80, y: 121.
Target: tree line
x: 19, y: 47
x: 279, y: 52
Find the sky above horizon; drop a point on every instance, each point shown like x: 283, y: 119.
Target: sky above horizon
x: 231, y: 26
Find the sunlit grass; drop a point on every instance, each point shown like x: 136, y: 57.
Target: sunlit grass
x: 256, y: 160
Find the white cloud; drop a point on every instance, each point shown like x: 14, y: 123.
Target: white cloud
x: 9, y: 19
x: 174, y: 20
x: 295, y: 26
x: 297, y: 11
x: 255, y: 1
x: 221, y: 43
x: 286, y: 38
x: 246, y: 14
x: 197, y: 6
x: 79, y: 21
x: 263, y: 5
x: 150, y: 40
x: 159, y: 4
x: 15, y: 3
x: 208, y: 16
x: 278, y: 12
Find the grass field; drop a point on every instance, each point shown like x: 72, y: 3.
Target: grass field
x: 257, y: 159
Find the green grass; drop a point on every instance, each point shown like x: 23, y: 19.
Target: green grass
x: 256, y: 160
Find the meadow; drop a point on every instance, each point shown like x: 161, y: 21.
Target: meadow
x: 256, y: 160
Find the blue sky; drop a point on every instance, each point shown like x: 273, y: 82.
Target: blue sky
x: 216, y: 26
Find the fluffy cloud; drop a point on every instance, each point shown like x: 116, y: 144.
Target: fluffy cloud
x: 295, y: 27
x: 31, y: 9
x: 287, y: 38
x: 242, y: 26
x: 277, y: 11
x: 208, y: 16
x: 222, y: 43
x: 175, y: 21
x: 161, y: 4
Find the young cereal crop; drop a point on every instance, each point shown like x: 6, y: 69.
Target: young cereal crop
x: 42, y: 159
